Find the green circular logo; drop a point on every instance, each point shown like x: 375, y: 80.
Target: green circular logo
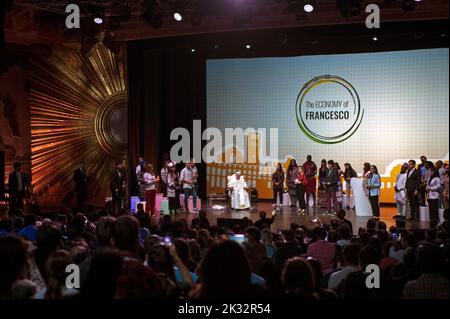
x: 328, y: 109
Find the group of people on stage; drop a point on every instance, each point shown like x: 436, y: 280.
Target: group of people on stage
x: 302, y: 179
x: 428, y: 183
x: 171, y: 184
x: 416, y: 186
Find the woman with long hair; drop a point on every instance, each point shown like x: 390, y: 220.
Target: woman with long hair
x: 432, y: 188
x: 173, y: 187
x: 291, y: 175
x: 298, y: 278
x: 277, y: 181
x: 300, y: 188
x: 349, y: 173
x: 57, y: 275
x: 373, y: 186
x: 365, y: 175
x: 150, y: 181
x: 224, y: 273
x: 339, y: 192
x: 321, y: 194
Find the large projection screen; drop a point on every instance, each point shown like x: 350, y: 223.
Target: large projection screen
x: 384, y: 108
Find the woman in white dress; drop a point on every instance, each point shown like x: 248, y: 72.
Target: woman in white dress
x: 400, y: 191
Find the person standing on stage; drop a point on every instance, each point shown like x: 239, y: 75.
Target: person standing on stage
x: 310, y: 169
x: 422, y: 168
x: 194, y: 183
x: 140, y: 181
x: 141, y: 161
x: 442, y: 172
x: 446, y: 190
x: 117, y: 185
x: 188, y: 178
x: 366, y: 174
x: 17, y: 185
x: 301, y: 182
x: 331, y: 187
x: 139, y: 177
x: 164, y: 173
x: 173, y: 187
x: 412, y: 189
x: 433, y: 188
x: 291, y: 175
x: 321, y: 194
x: 277, y: 183
x: 80, y: 179
x: 349, y: 173
x: 400, y: 191
x: 150, y: 181
x: 339, y: 184
x: 373, y: 185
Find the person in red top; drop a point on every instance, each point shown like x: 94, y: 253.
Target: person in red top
x: 301, y: 183
x: 310, y: 171
x: 322, y: 250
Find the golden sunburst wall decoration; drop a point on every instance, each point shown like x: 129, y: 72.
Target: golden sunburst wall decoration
x: 76, y: 101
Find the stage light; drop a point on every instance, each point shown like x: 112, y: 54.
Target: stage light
x: 375, y: 38
x: 409, y: 5
x: 248, y: 46
x: 308, y: 6
x: 99, y: 14
x: 192, y: 50
x: 177, y: 16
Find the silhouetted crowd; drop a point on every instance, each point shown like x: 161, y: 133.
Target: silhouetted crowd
x: 104, y: 255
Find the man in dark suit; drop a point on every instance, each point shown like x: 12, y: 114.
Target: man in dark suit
x: 331, y: 187
x: 117, y: 183
x: 80, y: 179
x: 413, y: 189
x: 17, y: 184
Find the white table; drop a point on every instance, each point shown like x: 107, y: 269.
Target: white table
x: 362, y: 204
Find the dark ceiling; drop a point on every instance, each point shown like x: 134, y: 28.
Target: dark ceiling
x: 42, y: 21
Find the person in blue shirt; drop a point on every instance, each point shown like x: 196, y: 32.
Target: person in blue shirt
x: 373, y: 185
x: 29, y: 231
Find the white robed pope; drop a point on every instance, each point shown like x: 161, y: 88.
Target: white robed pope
x: 238, y: 191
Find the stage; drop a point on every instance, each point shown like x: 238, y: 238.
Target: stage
x: 288, y: 215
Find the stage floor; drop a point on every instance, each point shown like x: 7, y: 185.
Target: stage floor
x: 288, y: 215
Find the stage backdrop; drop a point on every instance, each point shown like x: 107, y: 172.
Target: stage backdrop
x: 78, y: 105
x: 384, y: 108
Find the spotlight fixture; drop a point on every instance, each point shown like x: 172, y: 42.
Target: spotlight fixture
x: 178, y: 16
x: 193, y: 50
x: 375, y: 38
x: 248, y: 46
x: 409, y: 5
x: 308, y: 6
x: 99, y: 14
x: 349, y: 8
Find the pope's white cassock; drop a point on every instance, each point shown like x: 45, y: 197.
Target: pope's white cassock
x: 238, y: 192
